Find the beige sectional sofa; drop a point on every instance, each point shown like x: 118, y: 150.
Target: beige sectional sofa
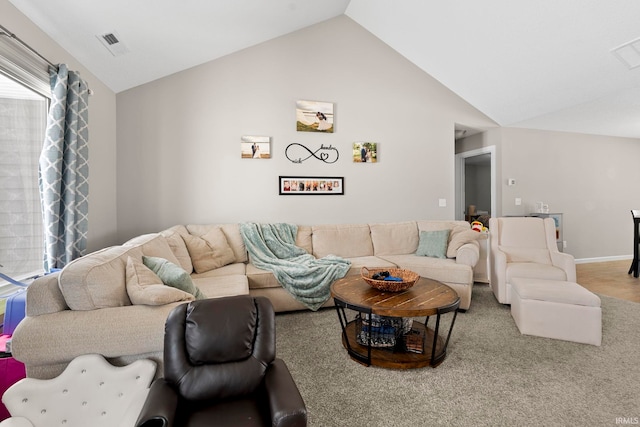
x: 86, y: 307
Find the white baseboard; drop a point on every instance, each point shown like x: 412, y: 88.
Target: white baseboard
x: 603, y: 259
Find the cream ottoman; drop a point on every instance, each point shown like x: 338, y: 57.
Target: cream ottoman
x: 556, y: 309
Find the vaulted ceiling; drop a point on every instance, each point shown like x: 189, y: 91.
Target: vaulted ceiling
x: 543, y: 64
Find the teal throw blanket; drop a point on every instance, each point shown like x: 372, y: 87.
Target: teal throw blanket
x: 272, y: 247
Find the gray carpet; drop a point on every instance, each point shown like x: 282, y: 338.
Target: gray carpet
x: 492, y: 376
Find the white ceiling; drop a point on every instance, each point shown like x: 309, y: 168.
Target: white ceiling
x: 542, y: 64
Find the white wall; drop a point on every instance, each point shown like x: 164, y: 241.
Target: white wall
x: 179, y: 137
x: 102, y: 129
x: 593, y: 180
x: 178, y: 149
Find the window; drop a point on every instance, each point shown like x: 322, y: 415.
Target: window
x: 24, y: 98
x: 23, y: 115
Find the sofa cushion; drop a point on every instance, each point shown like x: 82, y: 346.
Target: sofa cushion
x: 524, y: 254
x: 231, y: 232
x: 223, y: 286
x: 444, y: 270
x: 228, y: 270
x: 427, y: 225
x: 209, y: 251
x: 433, y: 243
x: 97, y: 280
x: 178, y: 246
x: 343, y: 240
x: 535, y: 271
x: 155, y: 245
x: 144, y: 287
x: 264, y: 279
x: 304, y: 239
x: 558, y: 291
x: 367, y: 261
x: 459, y: 236
x: 522, y: 232
x: 261, y: 279
x: 394, y: 238
x: 172, y: 275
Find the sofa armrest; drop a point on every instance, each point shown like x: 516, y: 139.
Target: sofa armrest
x: 285, y: 402
x: 44, y: 296
x: 113, y: 332
x: 160, y: 407
x: 565, y: 262
x: 468, y: 254
x: 498, y: 281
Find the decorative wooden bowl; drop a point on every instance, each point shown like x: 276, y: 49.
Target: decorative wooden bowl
x: 409, y: 278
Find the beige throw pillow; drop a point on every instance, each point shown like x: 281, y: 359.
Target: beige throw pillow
x: 144, y: 287
x: 460, y: 236
x: 178, y: 247
x: 209, y: 251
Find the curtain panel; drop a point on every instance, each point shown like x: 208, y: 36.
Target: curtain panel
x: 64, y: 170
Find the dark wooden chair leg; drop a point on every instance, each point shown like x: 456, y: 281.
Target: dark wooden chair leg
x: 636, y: 243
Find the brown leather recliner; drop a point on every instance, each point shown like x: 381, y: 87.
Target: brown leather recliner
x: 220, y: 369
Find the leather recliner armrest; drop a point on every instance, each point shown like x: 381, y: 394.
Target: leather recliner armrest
x: 285, y: 402
x: 160, y: 407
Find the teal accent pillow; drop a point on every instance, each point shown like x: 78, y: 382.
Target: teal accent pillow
x: 172, y: 275
x: 433, y: 243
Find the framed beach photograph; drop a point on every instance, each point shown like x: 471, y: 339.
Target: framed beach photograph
x: 313, y: 116
x: 310, y: 185
x: 255, y: 147
x: 365, y: 152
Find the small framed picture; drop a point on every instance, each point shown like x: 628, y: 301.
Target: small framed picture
x: 255, y: 147
x: 365, y: 152
x: 313, y: 116
x: 310, y: 185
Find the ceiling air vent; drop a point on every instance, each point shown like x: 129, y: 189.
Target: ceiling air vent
x: 629, y: 53
x: 113, y: 43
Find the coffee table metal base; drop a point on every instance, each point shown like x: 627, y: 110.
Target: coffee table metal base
x: 365, y: 312
x: 433, y: 352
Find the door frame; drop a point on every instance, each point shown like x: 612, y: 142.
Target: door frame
x: 460, y: 179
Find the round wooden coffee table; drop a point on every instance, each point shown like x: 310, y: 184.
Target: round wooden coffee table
x: 364, y: 311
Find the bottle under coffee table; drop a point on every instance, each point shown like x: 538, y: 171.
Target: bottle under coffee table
x: 358, y: 305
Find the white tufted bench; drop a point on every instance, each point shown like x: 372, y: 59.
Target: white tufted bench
x: 90, y: 392
x: 556, y: 309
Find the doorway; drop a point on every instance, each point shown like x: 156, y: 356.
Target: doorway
x: 476, y: 182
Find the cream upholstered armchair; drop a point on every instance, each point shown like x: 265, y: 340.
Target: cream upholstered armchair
x: 525, y: 247
x: 90, y: 392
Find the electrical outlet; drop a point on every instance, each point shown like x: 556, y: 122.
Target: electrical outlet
x: 564, y: 244
x: 442, y: 203
x: 518, y: 201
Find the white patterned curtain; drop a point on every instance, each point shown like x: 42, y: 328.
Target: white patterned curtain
x: 64, y: 170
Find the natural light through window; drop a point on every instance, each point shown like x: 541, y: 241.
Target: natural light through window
x: 22, y: 128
